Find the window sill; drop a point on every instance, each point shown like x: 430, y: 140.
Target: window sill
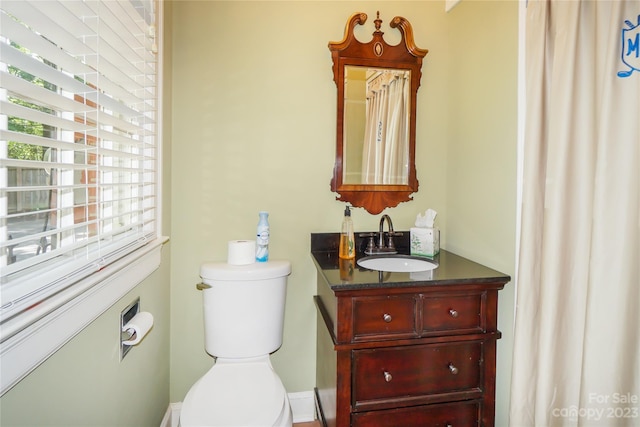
x: 26, y: 350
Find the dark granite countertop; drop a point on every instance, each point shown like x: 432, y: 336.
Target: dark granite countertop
x: 452, y: 268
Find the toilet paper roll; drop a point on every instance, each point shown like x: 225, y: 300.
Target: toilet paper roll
x: 139, y: 326
x: 241, y: 252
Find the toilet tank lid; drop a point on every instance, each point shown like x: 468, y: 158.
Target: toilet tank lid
x: 255, y: 271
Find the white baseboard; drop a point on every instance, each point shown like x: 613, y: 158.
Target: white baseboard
x: 303, y: 407
x: 172, y: 416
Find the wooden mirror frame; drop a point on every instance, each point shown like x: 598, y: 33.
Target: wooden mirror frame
x: 375, y: 54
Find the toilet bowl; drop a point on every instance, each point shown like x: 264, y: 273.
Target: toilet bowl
x: 237, y: 394
x: 244, y: 318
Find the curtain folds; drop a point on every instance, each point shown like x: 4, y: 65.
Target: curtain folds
x: 385, y: 154
x: 577, y: 327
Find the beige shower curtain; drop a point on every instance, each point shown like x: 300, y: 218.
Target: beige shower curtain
x: 385, y: 155
x: 577, y: 327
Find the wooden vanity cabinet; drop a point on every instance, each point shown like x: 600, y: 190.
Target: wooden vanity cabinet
x: 419, y: 355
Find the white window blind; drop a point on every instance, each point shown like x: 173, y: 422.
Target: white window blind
x: 78, y: 143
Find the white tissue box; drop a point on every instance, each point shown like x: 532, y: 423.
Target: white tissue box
x: 425, y: 241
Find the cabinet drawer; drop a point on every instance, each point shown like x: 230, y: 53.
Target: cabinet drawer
x: 462, y: 414
x: 410, y: 371
x: 448, y: 313
x: 394, y: 316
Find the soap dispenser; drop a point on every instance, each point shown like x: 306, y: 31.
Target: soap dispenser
x: 347, y: 248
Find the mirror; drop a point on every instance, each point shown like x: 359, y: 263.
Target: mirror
x: 376, y: 126
x: 376, y: 111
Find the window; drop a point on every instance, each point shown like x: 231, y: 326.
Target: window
x: 78, y: 146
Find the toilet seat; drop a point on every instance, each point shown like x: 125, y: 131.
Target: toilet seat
x: 248, y: 394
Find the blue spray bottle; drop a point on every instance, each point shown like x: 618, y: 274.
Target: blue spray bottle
x: 262, y: 237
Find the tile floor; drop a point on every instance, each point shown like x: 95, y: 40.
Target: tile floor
x: 309, y: 424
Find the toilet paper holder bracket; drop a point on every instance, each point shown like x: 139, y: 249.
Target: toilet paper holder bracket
x: 128, y: 334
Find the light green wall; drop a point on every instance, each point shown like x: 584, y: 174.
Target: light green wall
x: 254, y: 128
x: 481, y: 154
x: 85, y: 383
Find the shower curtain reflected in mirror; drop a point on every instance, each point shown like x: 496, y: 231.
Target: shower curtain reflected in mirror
x: 385, y: 156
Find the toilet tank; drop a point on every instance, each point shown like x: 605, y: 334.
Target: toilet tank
x: 244, y: 308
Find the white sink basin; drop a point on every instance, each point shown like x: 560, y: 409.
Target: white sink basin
x: 397, y: 263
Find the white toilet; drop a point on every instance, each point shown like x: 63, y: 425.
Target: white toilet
x: 243, y: 321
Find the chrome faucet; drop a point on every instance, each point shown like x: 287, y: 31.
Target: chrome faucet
x: 381, y: 233
x: 381, y: 247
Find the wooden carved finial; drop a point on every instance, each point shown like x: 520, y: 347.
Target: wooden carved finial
x: 377, y: 21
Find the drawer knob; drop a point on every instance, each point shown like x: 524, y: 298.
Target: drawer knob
x: 453, y: 313
x: 453, y: 369
x: 387, y: 318
x: 387, y: 377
